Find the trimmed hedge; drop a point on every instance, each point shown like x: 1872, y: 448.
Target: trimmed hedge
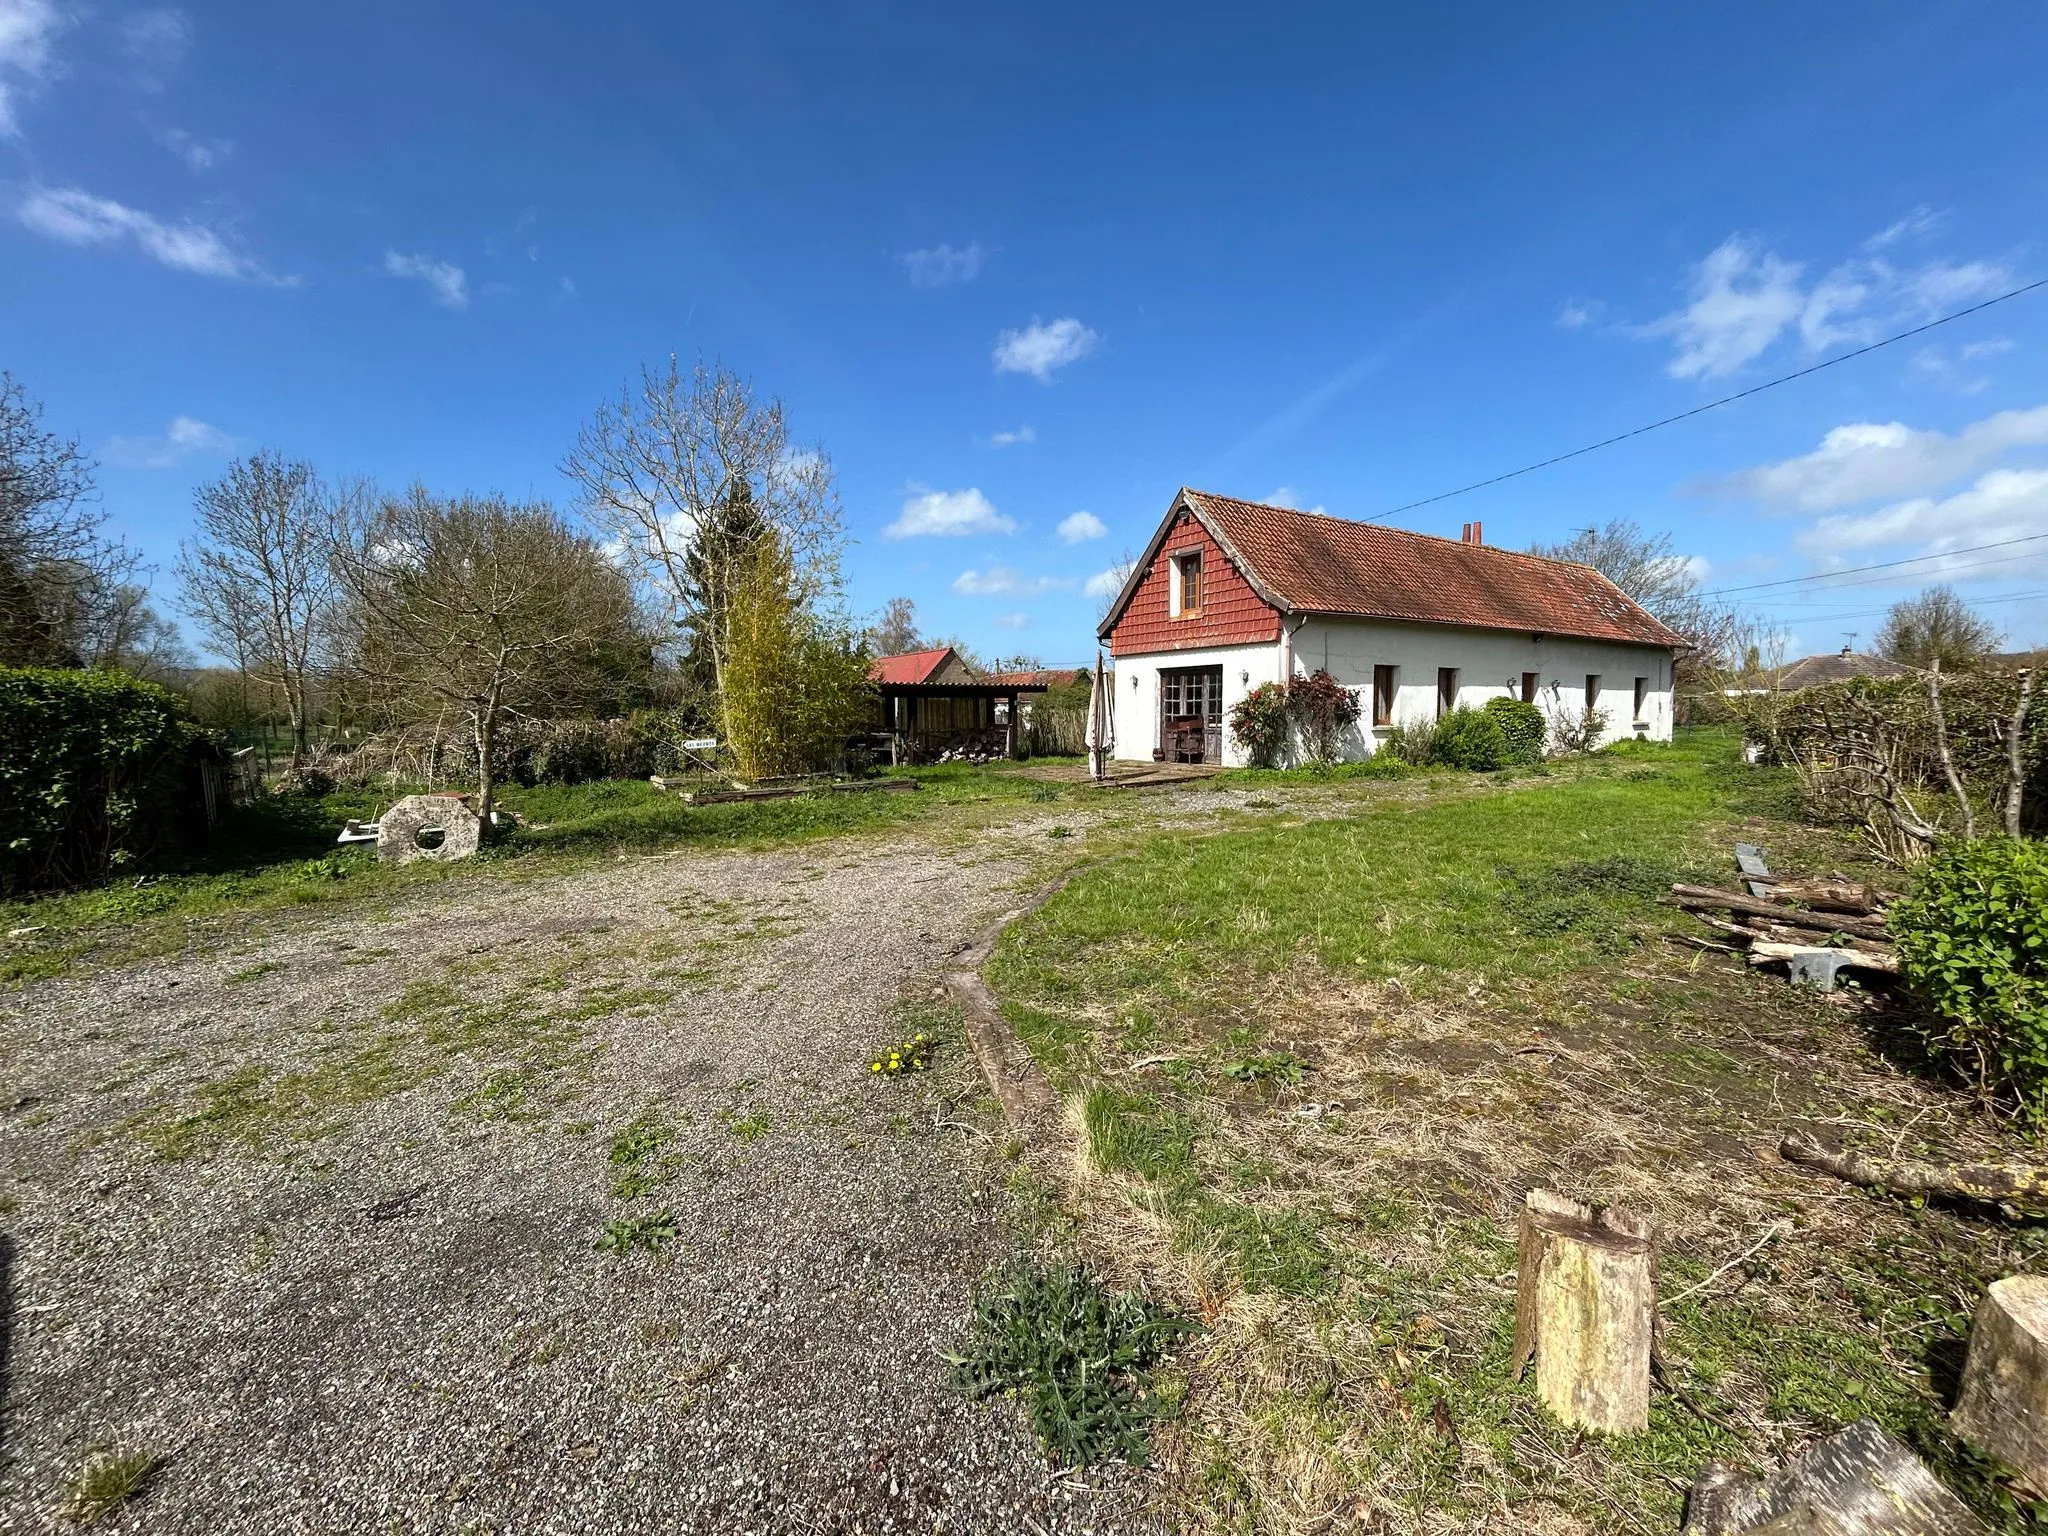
x: 97, y: 772
x: 1470, y: 739
x: 1973, y: 945
x: 1522, y: 726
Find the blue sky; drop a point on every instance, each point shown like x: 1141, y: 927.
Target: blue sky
x: 1008, y: 267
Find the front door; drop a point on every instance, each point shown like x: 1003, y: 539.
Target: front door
x: 1191, y: 715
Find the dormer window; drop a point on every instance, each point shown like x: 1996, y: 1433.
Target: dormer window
x: 1186, y: 577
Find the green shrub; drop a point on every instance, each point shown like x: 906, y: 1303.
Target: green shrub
x: 1522, y: 727
x: 1973, y: 945
x: 1413, y: 745
x: 1258, y: 724
x: 1470, y: 739
x: 1080, y: 1357
x: 97, y: 772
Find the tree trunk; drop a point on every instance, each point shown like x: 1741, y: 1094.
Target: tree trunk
x: 1586, y: 1309
x: 2004, y: 1402
x: 486, y: 760
x: 1693, y: 896
x: 1948, y: 762
x: 2015, y: 755
x: 1859, y: 1482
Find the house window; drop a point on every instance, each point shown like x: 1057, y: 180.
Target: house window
x: 1187, y: 584
x: 1383, y: 695
x: 1529, y: 682
x: 1592, y: 690
x: 1642, y: 695
x: 1446, y: 689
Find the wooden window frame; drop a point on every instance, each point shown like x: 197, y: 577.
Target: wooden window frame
x: 1592, y: 690
x: 1182, y: 563
x: 1447, y: 696
x: 1642, y: 697
x: 1386, y: 690
x: 1532, y: 684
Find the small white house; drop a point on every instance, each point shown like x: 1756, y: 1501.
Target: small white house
x: 1231, y: 594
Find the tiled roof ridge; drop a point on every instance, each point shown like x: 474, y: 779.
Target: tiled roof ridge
x: 1411, y: 533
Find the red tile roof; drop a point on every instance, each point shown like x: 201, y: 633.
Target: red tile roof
x: 1048, y: 677
x: 1307, y: 562
x: 910, y: 667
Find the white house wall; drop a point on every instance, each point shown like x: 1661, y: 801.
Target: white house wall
x: 1137, y: 692
x: 1490, y: 665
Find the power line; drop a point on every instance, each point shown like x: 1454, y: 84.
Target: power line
x: 1886, y: 565
x: 1712, y: 405
x: 1821, y: 594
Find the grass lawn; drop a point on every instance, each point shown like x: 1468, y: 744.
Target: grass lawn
x: 281, y: 852
x: 1313, y: 1066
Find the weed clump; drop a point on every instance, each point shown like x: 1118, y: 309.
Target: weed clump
x: 109, y: 1481
x: 911, y: 1055
x: 652, y: 1232
x: 1079, y: 1357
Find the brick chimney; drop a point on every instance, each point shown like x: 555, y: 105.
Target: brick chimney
x: 1470, y: 535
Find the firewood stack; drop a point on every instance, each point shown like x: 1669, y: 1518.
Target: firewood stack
x: 1815, y: 927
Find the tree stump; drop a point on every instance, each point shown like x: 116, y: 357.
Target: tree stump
x: 2004, y: 1401
x: 1858, y: 1482
x: 1586, y: 1309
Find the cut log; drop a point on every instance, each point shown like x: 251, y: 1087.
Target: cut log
x: 1859, y: 1482
x: 1691, y: 896
x: 1828, y: 895
x: 2004, y: 1401
x: 1586, y: 1310
x: 1864, y: 959
x: 2022, y: 1186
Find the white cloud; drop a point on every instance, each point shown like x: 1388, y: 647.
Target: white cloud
x: 1000, y: 580
x: 27, y: 29
x: 1012, y: 621
x: 1743, y: 299
x: 1575, y: 314
x: 200, y: 155
x: 1038, y: 349
x: 1920, y: 221
x: 1080, y: 527
x: 569, y: 288
x: 78, y: 218
x: 1023, y: 434
x: 944, y: 264
x: 157, y: 40
x: 1286, y: 496
x: 1104, y: 583
x: 185, y: 435
x: 947, y: 514
x: 449, y: 283
x: 1868, y: 460
x: 2003, y: 504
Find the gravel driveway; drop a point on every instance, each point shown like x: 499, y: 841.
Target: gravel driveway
x: 314, y: 1217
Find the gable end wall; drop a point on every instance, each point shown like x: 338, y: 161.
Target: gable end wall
x: 1232, y: 613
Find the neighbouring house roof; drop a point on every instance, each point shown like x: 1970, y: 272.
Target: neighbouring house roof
x: 1811, y: 671
x: 1311, y: 563
x: 1044, y: 677
x: 912, y: 666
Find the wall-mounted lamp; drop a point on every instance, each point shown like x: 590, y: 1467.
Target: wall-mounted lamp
x: 1245, y: 676
x: 1134, y: 679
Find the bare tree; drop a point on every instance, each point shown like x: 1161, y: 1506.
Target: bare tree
x: 57, y: 570
x: 896, y: 632
x: 1651, y: 572
x: 259, y: 579
x: 663, y: 468
x: 481, y: 608
x: 1936, y: 626
x: 1113, y: 582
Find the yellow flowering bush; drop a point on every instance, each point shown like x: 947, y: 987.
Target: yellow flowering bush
x: 911, y: 1055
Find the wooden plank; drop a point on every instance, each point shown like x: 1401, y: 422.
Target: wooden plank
x: 784, y: 792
